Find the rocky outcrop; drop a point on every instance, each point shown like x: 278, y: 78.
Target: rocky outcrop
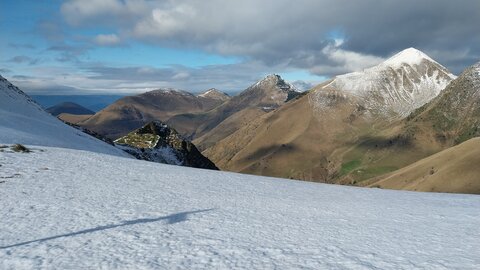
x: 158, y: 142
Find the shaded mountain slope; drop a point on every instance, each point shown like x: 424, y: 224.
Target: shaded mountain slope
x: 73, y: 118
x: 70, y: 108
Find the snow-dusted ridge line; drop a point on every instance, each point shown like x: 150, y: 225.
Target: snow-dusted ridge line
x: 280, y: 82
x: 209, y: 91
x: 23, y: 121
x: 477, y: 67
x: 129, y: 214
x: 393, y: 88
x: 214, y: 93
x: 169, y: 91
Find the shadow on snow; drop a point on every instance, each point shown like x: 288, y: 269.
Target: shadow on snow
x: 171, y: 219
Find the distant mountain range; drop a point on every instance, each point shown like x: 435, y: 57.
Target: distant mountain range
x: 306, y: 138
x: 359, y: 125
x: 132, y: 112
x: 92, y: 102
x: 24, y: 121
x: 407, y: 123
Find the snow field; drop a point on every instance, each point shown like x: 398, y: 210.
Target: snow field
x: 71, y: 209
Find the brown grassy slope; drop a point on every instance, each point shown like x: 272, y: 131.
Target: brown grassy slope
x: 296, y: 140
x: 74, y: 118
x: 265, y: 95
x: 455, y: 169
x: 133, y: 112
x: 228, y: 126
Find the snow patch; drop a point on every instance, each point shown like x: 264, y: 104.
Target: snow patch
x: 208, y: 92
x: 410, y: 56
x: 169, y: 91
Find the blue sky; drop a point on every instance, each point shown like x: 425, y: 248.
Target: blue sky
x: 131, y: 46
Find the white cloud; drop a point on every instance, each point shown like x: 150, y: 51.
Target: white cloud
x: 164, y: 22
x: 181, y: 76
x: 90, y: 12
x: 346, y: 60
x: 107, y: 40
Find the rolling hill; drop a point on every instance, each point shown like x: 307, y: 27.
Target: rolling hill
x: 454, y: 170
x: 70, y: 108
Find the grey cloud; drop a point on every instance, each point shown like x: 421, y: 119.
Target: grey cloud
x: 303, y: 85
x: 21, y: 46
x: 5, y: 70
x: 107, y: 40
x: 130, y: 80
x: 279, y: 32
x: 53, y: 89
x: 22, y: 77
x: 229, y: 78
x: 20, y: 59
x: 51, y: 30
x: 107, y: 12
x: 69, y: 53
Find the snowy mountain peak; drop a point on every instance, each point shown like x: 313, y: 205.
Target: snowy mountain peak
x: 272, y: 77
x: 410, y: 56
x: 171, y: 91
x: 276, y: 81
x: 215, y: 94
x: 395, y: 87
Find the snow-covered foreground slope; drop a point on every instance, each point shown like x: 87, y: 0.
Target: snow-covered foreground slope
x: 24, y: 121
x: 70, y: 209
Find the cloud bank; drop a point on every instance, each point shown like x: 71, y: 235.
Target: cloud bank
x: 321, y: 38
x: 303, y: 34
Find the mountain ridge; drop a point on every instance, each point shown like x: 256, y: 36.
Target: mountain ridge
x: 132, y: 112
x: 306, y: 139
x: 24, y: 121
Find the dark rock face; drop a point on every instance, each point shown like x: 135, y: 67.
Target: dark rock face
x: 159, y: 143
